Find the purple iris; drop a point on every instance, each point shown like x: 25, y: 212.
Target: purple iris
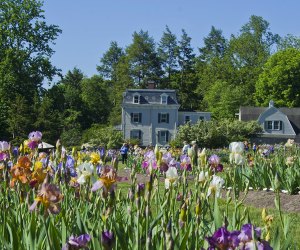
x: 214, y: 160
x: 99, y: 168
x: 149, y: 158
x: 35, y: 136
x: 185, y: 163
x: 102, y: 152
x: 246, y: 232
x: 3, y: 156
x: 16, y: 151
x: 219, y: 168
x: 224, y: 239
x: 221, y: 239
x: 79, y: 242
x: 33, y: 144
x: 70, y: 162
x: 107, y: 240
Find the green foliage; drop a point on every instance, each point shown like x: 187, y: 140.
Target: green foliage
x: 280, y: 80
x: 103, y: 135
x: 224, y: 99
x: 214, y: 134
x: 168, y: 53
x: 110, y: 60
x: 143, y: 60
x: 25, y: 52
x: 71, y: 137
x: 95, y: 98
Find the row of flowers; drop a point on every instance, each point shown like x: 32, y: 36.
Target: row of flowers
x: 80, y: 189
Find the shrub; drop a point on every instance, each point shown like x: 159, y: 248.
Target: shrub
x: 103, y: 135
x: 216, y: 134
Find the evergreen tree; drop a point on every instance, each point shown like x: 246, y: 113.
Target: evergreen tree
x: 109, y: 61
x: 143, y: 59
x: 186, y: 80
x: 214, y: 46
x: 168, y: 52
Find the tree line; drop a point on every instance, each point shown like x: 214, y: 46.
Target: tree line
x: 248, y: 68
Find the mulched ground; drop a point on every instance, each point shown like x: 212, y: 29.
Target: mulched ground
x: 259, y: 199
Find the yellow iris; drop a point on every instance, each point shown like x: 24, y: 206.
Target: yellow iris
x: 107, y: 182
x: 95, y: 158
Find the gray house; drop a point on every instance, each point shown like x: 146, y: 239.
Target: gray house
x: 279, y: 124
x: 152, y: 116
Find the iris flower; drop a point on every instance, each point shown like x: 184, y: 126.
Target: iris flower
x: 95, y: 158
x: 107, y: 240
x: 39, y: 174
x: 107, y: 180
x: 21, y: 171
x: 79, y: 242
x: 50, y: 197
x: 34, y: 138
x: 185, y: 163
x: 4, y: 147
x: 149, y: 162
x: 85, y: 171
x: 215, y: 186
x: 171, y: 177
x: 236, y: 149
x: 203, y: 176
x: 239, y: 239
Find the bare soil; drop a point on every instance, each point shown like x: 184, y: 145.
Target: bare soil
x: 259, y: 198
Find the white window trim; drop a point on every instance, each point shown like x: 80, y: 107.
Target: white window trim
x: 138, y: 97
x: 164, y: 96
x: 163, y: 137
x: 164, y: 117
x: 273, y: 125
x: 136, y: 118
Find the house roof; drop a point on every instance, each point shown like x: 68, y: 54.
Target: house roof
x: 150, y: 96
x: 253, y: 113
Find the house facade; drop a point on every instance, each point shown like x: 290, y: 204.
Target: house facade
x: 152, y: 116
x: 279, y: 124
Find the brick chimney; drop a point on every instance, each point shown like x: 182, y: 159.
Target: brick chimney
x: 151, y: 84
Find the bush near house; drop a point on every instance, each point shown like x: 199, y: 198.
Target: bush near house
x: 215, y: 134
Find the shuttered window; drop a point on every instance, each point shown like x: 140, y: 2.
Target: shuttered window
x: 163, y: 117
x: 136, y: 117
x: 136, y: 134
x: 163, y: 136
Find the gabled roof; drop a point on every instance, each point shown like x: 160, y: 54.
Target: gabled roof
x: 150, y: 96
x: 253, y: 113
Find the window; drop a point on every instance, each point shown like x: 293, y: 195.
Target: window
x: 136, y: 134
x: 136, y: 117
x: 201, y: 118
x: 276, y: 125
x: 164, y: 99
x: 163, y: 136
x: 163, y: 118
x: 187, y: 119
x: 136, y: 99
x: 273, y: 125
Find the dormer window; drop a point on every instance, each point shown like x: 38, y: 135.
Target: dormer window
x: 136, y: 99
x: 164, y: 99
x: 273, y: 125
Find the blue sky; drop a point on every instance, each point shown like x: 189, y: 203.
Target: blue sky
x: 88, y: 26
